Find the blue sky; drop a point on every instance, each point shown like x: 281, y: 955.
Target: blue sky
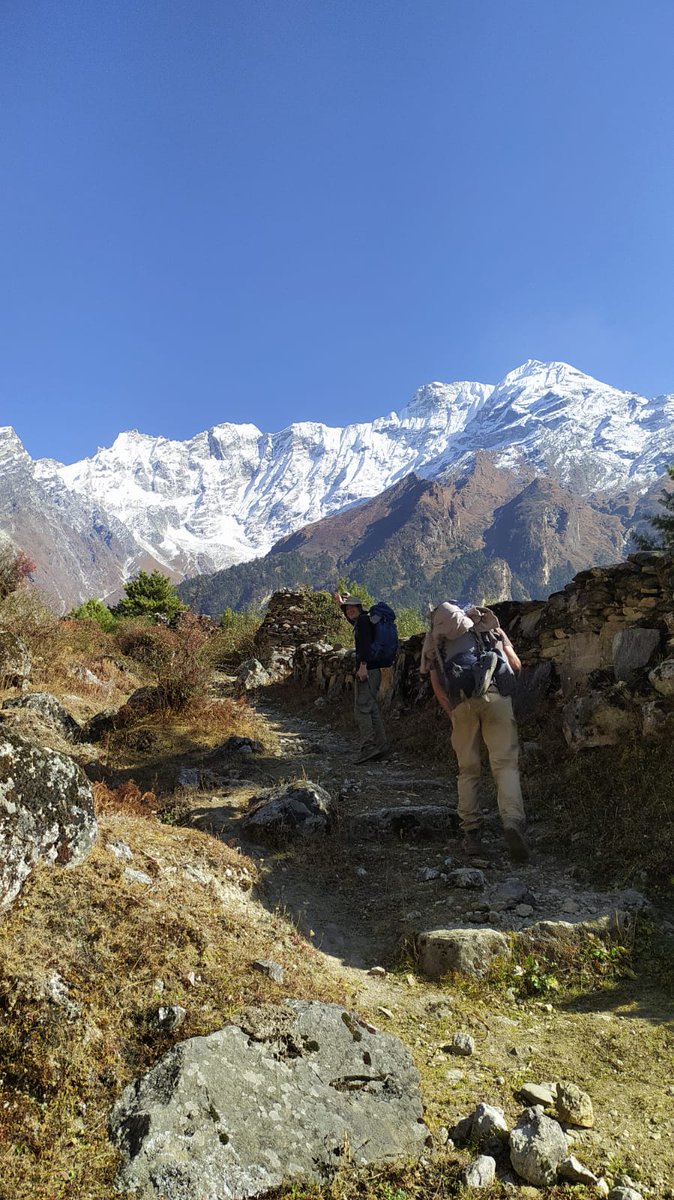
x: 277, y: 210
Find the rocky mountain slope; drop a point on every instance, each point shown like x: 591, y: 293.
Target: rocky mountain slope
x: 231, y: 493
x: 485, y: 533
x: 79, y: 548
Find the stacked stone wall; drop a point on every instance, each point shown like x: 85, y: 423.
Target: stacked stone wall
x: 599, y: 649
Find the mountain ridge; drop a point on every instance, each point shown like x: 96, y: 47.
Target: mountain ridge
x: 231, y: 493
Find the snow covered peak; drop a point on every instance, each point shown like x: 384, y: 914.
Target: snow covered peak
x: 228, y: 493
x: 440, y: 398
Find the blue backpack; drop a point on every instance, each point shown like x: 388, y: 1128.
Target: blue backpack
x: 384, y: 635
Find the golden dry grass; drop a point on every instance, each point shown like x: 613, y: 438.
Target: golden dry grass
x: 122, y: 948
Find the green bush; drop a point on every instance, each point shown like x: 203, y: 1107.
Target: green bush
x: 94, y: 610
x: 152, y: 596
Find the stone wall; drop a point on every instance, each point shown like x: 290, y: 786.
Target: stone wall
x: 599, y: 650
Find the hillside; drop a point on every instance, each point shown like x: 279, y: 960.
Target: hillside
x: 485, y: 533
x: 179, y: 921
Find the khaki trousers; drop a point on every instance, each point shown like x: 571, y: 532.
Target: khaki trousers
x: 366, y: 711
x: 490, y: 719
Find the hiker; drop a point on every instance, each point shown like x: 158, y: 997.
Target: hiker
x: 376, y: 646
x: 472, y: 666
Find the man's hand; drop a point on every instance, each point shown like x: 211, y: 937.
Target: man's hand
x: 440, y: 694
x: 361, y: 673
x: 337, y: 597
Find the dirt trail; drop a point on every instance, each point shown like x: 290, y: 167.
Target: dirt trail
x: 360, y: 901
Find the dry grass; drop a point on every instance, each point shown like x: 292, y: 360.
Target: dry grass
x: 612, y: 808
x: 121, y: 948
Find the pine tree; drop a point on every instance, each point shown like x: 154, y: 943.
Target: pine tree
x: 663, y: 522
x: 94, y: 610
x: 152, y: 596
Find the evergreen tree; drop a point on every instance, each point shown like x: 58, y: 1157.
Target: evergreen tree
x: 94, y: 610
x: 152, y: 596
x: 663, y: 522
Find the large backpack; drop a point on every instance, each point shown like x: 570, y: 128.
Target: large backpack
x: 384, y: 635
x: 462, y: 682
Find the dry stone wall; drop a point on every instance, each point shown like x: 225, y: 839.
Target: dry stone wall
x: 602, y: 649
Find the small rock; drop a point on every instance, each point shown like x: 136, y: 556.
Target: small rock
x: 624, y: 1193
x: 602, y: 1187
x: 455, y: 1076
x: 524, y: 910
x: 137, y: 877
x: 320, y: 702
x: 488, y: 1122
x: 188, y: 777
x: 167, y: 1018
x: 537, y: 1093
x: 427, y: 874
x: 570, y: 1168
x: 462, y: 1044
x: 481, y: 1173
x: 574, y: 1106
x: 467, y: 877
x: 120, y: 849
x: 385, y: 1012
x: 377, y: 972
x: 361, y: 872
x: 271, y: 969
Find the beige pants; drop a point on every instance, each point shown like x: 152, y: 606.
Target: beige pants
x: 489, y: 718
x: 367, y: 713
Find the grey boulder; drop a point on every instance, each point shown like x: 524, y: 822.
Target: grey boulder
x: 406, y: 821
x: 460, y: 951
x: 51, y: 710
x: 481, y: 1172
x: 15, y: 660
x: 301, y: 809
x: 284, y: 1094
x: 46, y: 812
x: 537, y: 1146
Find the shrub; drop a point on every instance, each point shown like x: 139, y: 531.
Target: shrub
x: 15, y: 568
x: 178, y: 656
x: 94, y: 610
x: 152, y: 596
x: 409, y: 622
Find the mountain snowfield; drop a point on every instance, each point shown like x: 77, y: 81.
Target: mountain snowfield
x: 228, y: 494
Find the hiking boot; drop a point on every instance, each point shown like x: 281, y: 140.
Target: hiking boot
x: 517, y: 846
x: 483, y: 672
x: 380, y: 755
x: 472, y: 843
x: 366, y: 756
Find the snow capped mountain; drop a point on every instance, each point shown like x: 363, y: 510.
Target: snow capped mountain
x: 228, y: 494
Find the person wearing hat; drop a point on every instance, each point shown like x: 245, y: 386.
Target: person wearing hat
x: 367, y: 682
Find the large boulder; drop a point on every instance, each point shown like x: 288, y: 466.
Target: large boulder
x: 633, y: 649
x: 286, y: 1093
x: 46, y: 812
x: 52, y: 712
x: 15, y: 660
x: 537, y: 1146
x: 459, y: 951
x: 251, y: 675
x: 301, y: 809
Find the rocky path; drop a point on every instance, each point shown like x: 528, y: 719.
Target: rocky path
x: 365, y: 893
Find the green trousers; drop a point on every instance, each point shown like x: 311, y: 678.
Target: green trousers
x: 367, y: 713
